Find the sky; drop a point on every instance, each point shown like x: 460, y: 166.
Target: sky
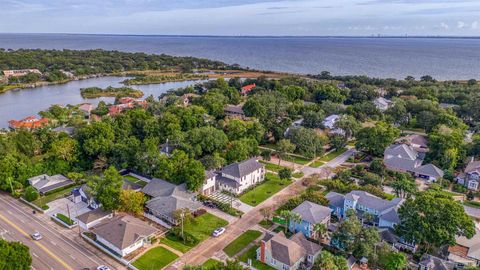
x: 243, y: 17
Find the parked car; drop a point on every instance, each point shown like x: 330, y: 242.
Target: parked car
x: 103, y: 267
x: 209, y: 204
x: 218, y: 232
x: 36, y: 236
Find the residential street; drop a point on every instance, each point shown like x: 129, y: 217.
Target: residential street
x: 59, y: 248
x: 210, y: 247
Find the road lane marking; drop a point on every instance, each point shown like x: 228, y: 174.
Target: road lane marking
x: 36, y: 243
x: 85, y: 250
x: 34, y: 255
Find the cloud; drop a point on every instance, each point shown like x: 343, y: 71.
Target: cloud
x: 461, y: 25
x: 444, y: 26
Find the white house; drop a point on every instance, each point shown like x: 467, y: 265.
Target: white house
x: 382, y: 103
x: 124, y: 234
x: 90, y: 219
x: 239, y: 176
x: 209, y: 185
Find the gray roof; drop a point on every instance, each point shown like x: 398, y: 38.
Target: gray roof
x: 233, y: 109
x: 209, y: 174
x: 123, y: 231
x: 45, y: 183
x: 389, y: 236
x: 242, y: 168
x: 472, y: 211
x: 371, y: 201
x: 435, y: 263
x: 473, y: 166
x: 430, y: 170
x: 310, y: 247
x: 67, y: 130
x: 93, y: 215
x: 168, y: 197
x: 335, y: 199
x: 227, y: 181
x: 131, y: 185
x: 285, y: 250
x: 402, y: 156
x: 312, y: 212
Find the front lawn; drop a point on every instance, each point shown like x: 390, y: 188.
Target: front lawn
x: 332, y: 155
x: 298, y: 175
x: 265, y: 190
x: 156, y: 258
x: 211, y: 264
x: 297, y: 159
x: 272, y: 167
x: 252, y: 254
x: 241, y: 242
x: 265, y: 223
x: 43, y: 200
x: 317, y: 163
x: 201, y: 228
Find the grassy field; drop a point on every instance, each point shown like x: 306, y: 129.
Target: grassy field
x: 296, y: 159
x: 272, y: 167
x: 241, y: 242
x: 135, y: 180
x: 201, y: 228
x: 43, y: 200
x: 252, y: 254
x: 317, y: 163
x: 265, y: 190
x: 332, y: 155
x: 298, y: 175
x: 156, y: 258
x: 210, y: 264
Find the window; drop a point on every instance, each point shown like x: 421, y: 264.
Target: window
x: 285, y: 267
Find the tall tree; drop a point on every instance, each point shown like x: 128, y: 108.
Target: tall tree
x: 132, y: 202
x: 375, y: 139
x: 107, y: 188
x: 14, y: 256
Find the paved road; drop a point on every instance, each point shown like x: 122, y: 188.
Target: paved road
x: 59, y: 249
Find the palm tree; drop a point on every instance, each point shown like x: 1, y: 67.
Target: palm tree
x: 286, y: 215
x: 319, y: 230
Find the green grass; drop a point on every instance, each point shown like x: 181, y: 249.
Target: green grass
x: 203, y: 226
x: 156, y: 258
x: 265, y: 190
x: 175, y: 243
x: 211, y: 264
x: 241, y: 242
x: 252, y: 254
x: 472, y: 204
x: 43, y: 200
x: 135, y: 180
x: 266, y: 223
x: 298, y: 175
x: 272, y: 167
x: 317, y: 163
x: 297, y: 159
x: 64, y: 218
x: 332, y: 155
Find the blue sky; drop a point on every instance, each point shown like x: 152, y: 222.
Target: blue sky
x: 243, y: 17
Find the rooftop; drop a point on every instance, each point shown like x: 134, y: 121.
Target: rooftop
x: 242, y: 168
x: 312, y: 212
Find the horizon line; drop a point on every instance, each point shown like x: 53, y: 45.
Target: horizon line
x: 254, y: 36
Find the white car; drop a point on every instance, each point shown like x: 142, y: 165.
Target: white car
x: 36, y: 236
x: 218, y: 232
x: 103, y: 267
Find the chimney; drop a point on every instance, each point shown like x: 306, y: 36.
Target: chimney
x: 262, y: 251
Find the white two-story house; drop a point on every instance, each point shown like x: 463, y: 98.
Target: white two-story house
x: 239, y: 176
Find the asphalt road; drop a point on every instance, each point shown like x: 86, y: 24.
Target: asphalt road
x: 59, y: 249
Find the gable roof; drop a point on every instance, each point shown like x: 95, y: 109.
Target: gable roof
x: 429, y: 170
x: 242, y: 168
x: 473, y: 166
x: 285, y: 250
x: 45, y: 183
x: 335, y: 199
x: 93, y: 215
x: 233, y: 109
x: 310, y: 247
x: 248, y: 87
x: 312, y: 212
x: 123, y: 231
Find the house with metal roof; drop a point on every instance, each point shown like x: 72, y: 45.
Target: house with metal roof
x: 166, y: 198
x: 123, y: 234
x: 239, y: 176
x: 384, y: 212
x: 311, y: 214
x: 281, y: 253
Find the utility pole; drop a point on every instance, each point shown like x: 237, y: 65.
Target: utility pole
x: 11, y: 186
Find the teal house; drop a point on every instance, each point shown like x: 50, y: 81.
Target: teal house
x: 311, y: 214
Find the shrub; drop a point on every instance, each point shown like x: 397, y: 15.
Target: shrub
x: 187, y: 238
x: 31, y: 194
x: 65, y: 219
x: 285, y: 173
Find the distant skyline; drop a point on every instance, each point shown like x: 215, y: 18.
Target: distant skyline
x: 243, y: 17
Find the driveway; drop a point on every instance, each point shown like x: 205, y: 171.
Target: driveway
x: 236, y: 203
x: 64, y: 206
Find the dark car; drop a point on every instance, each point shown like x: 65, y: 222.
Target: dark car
x: 209, y: 204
